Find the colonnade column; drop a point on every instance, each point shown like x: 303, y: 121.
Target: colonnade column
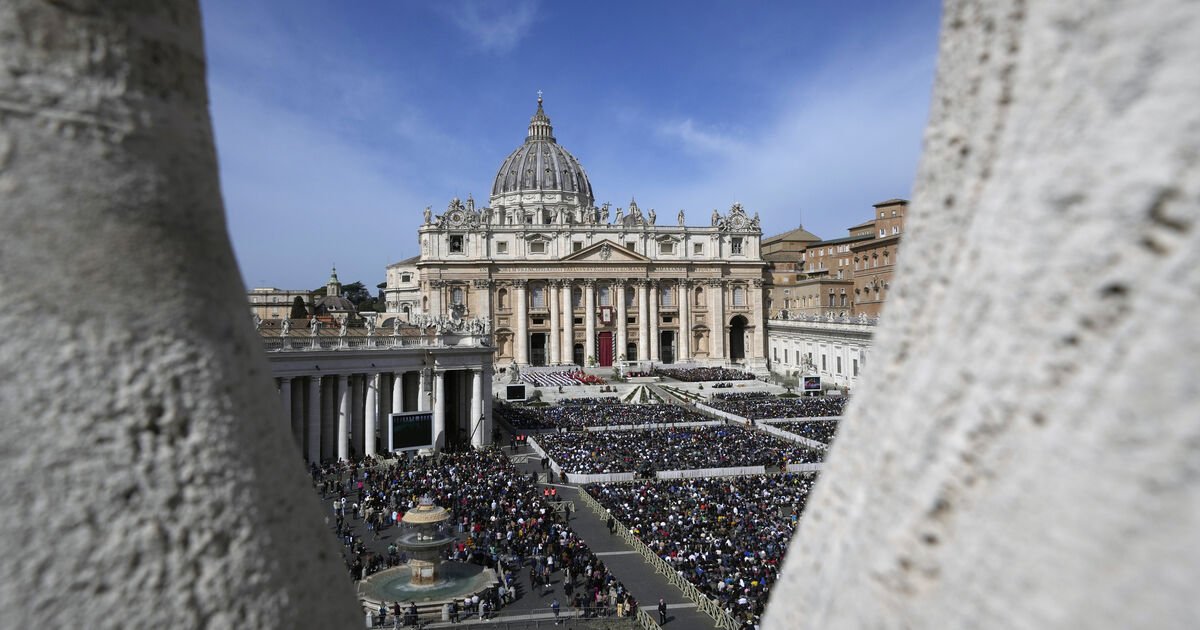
x: 655, y: 341
x: 589, y: 320
x: 477, y: 419
x: 422, y: 392
x: 285, y: 396
x: 314, y: 419
x: 521, y: 308
x: 370, y: 415
x: 439, y: 409
x: 618, y: 289
x: 555, y: 357
x: 487, y: 405
x: 643, y: 320
x: 397, y: 392
x: 568, y: 319
x: 684, y: 342
x: 343, y: 423
x: 716, y: 300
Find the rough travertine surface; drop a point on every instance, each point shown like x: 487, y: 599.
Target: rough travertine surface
x: 1025, y: 451
x: 145, y: 479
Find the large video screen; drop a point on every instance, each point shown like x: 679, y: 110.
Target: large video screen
x: 411, y: 430
x: 812, y: 383
x: 515, y: 392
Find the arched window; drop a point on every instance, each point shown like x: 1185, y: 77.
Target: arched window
x: 629, y: 297
x: 576, y: 298
x: 605, y: 295
x: 502, y: 298
x: 537, y: 296
x: 739, y: 296
x: 456, y: 295
x: 668, y: 296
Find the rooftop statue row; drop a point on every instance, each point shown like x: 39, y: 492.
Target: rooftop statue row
x: 459, y: 215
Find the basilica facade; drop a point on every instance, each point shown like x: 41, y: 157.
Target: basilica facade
x: 564, y: 282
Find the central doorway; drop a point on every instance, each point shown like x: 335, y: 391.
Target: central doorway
x: 666, y: 346
x: 604, y: 347
x: 537, y: 349
x: 577, y: 354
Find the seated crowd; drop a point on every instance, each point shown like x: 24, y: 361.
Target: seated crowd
x: 698, y: 374
x: 561, y: 378
x: 499, y: 513
x: 820, y: 430
x: 757, y: 408
x: 575, y: 414
x: 725, y: 535
x: 684, y: 448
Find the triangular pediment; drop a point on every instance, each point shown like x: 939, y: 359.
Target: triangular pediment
x: 605, y: 251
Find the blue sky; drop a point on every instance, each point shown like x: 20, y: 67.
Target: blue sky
x: 337, y: 123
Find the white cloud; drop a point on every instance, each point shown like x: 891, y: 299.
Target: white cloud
x: 495, y: 26
x: 698, y: 140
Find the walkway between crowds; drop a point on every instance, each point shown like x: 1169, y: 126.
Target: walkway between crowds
x: 625, y: 562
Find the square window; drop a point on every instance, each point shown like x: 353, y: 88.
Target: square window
x: 576, y: 246
x: 538, y: 321
x: 502, y: 247
x: 406, y: 278
x: 737, y: 245
x: 456, y: 244
x: 666, y: 248
x: 537, y: 247
x: 698, y: 249
x: 630, y: 245
x: 578, y: 321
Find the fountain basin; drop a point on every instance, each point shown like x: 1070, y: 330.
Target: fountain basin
x: 454, y: 580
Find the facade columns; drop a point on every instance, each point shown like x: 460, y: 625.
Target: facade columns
x: 314, y: 419
x: 643, y: 320
x: 477, y: 420
x: 483, y: 295
x: 555, y: 357
x: 589, y: 321
x: 435, y: 296
x: 486, y: 401
x: 521, y: 308
x: 756, y: 346
x: 618, y: 291
x: 655, y: 340
x: 716, y: 301
x: 439, y: 409
x: 684, y: 342
x: 370, y: 415
x: 568, y: 332
x: 343, y: 418
x: 397, y: 392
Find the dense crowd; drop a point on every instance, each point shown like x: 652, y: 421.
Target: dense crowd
x: 501, y: 519
x: 697, y: 374
x: 680, y: 448
x: 756, y: 408
x: 820, y: 430
x: 598, y: 412
x: 725, y: 535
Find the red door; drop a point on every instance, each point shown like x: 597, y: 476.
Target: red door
x: 605, y: 348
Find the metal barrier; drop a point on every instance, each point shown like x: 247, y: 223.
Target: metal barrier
x: 707, y: 605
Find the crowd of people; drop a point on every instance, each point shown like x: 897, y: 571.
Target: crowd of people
x: 698, y: 374
x: 501, y: 519
x: 820, y: 430
x: 759, y: 405
x: 594, y: 412
x: 726, y: 535
x: 679, y: 448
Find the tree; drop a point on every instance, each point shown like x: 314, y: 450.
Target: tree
x: 299, y: 310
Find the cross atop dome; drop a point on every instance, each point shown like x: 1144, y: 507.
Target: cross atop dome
x: 539, y: 125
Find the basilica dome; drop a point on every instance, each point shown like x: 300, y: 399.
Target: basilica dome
x: 540, y: 172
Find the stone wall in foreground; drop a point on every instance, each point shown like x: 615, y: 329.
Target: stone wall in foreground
x: 147, y: 481
x: 1024, y: 450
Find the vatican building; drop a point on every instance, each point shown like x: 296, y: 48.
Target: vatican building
x: 563, y: 282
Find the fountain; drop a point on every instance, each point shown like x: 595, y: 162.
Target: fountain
x: 428, y: 579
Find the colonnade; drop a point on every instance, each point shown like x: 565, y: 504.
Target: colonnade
x: 344, y: 411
